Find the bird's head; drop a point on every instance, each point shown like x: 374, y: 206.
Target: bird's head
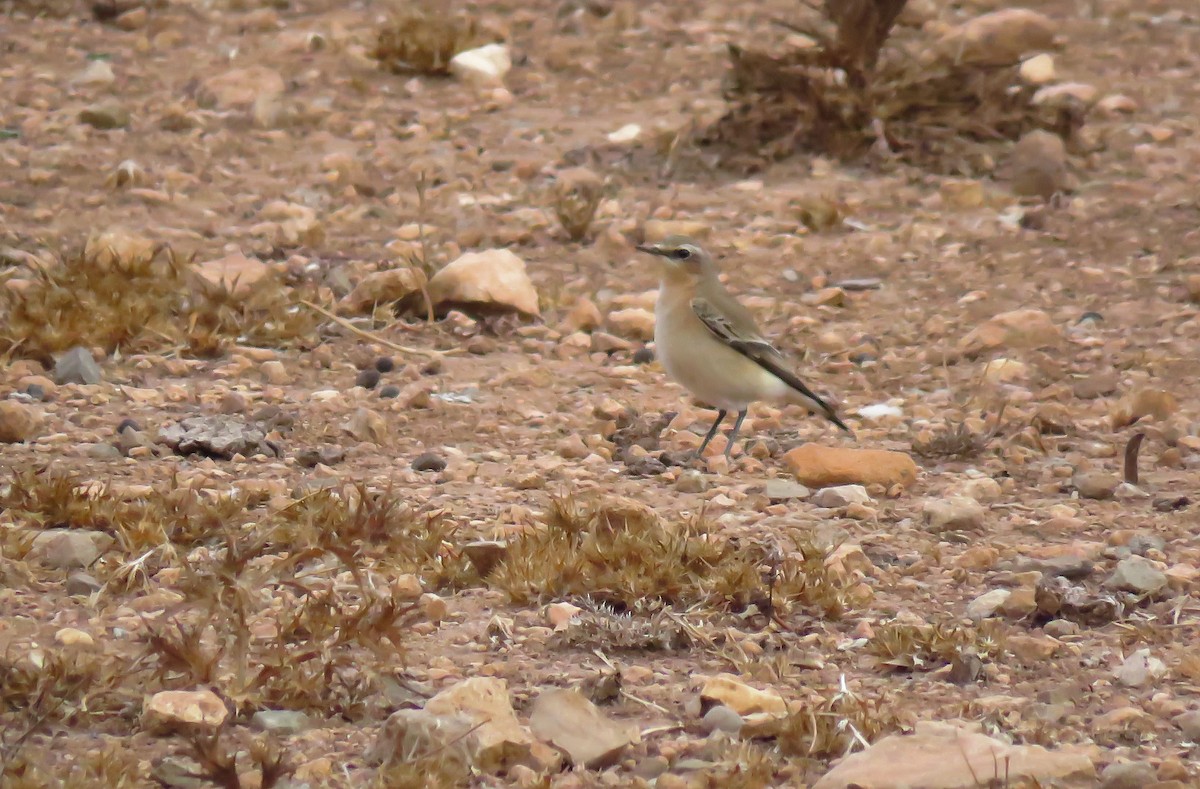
x: 680, y: 256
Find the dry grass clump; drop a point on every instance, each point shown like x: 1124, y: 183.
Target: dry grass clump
x: 421, y: 37
x: 865, y: 82
x: 832, y: 726
x: 292, y: 608
x: 138, y: 303
x: 620, y: 553
x: 910, y: 647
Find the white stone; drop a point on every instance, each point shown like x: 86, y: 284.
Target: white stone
x: 484, y: 65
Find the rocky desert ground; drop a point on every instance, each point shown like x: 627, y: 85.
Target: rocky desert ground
x: 336, y: 452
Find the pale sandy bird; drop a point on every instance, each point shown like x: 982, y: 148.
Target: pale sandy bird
x: 708, y: 342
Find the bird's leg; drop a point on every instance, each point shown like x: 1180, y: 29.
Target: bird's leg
x: 736, y: 427
x: 712, y: 431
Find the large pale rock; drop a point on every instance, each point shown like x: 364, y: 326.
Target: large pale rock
x: 819, y: 466
x: 77, y: 366
x: 385, y: 287
x: 498, y: 740
x: 942, y: 756
x: 199, y: 711
x: 240, y: 87
x: 68, y: 549
x: 19, y: 422
x: 576, y: 726
x: 494, y: 278
x: 999, y: 38
x: 1026, y: 328
x: 235, y: 273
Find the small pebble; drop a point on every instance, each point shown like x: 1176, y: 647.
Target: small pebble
x: 429, y: 461
x: 367, y: 379
x: 389, y: 391
x: 385, y: 364
x: 128, y: 424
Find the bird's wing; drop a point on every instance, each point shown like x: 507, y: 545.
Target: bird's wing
x: 746, y: 340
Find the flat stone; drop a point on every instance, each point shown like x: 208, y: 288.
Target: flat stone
x: 77, y: 366
x: 576, y: 726
x: 186, y: 710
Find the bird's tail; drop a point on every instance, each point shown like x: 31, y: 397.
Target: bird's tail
x: 800, y: 394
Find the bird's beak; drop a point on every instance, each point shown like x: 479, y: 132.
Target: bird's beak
x: 649, y: 249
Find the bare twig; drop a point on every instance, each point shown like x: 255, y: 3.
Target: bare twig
x: 348, y: 326
x: 1131, y: 457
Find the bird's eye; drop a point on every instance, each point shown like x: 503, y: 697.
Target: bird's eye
x: 683, y: 253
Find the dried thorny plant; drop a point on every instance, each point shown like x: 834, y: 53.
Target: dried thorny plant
x: 865, y: 84
x: 422, y: 37
x: 622, y: 554
x: 577, y: 194
x: 956, y: 440
x: 141, y: 301
x: 218, y: 761
x: 833, y: 725
x: 913, y: 647
x: 650, y: 627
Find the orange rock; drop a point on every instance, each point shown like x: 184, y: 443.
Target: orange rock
x: 818, y: 466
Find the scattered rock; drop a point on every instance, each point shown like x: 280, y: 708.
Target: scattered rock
x: 820, y: 466
x: 106, y: 115
x: 998, y: 38
x: 635, y: 323
x: 1038, y: 70
x: 240, y: 88
x: 280, y: 721
x: 1017, y: 329
x: 429, y: 461
x: 235, y: 274
x: 574, y: 725
x: 1128, y: 775
x: 1095, y: 484
x: 840, y: 496
x: 987, y: 604
x: 722, y: 718
x: 483, y: 66
x: 485, y: 555
x: 785, y: 490
x: 1140, y: 669
x: 982, y: 489
x: 1137, y: 574
x: 19, y: 422
x: 367, y: 379
x: 949, y: 757
x: 691, y: 481
x: 69, y: 548
x: 200, y: 711
x: 219, y: 437
x: 77, y: 366
x: 584, y: 316
x: 1157, y: 404
x: 496, y: 740
x: 83, y: 584
x: 98, y: 72
x: 366, y: 424
x: 957, y: 513
x: 1038, y: 165
x: 493, y: 278
x: 275, y: 373
x: 728, y: 690
x: 1189, y: 723
x: 394, y: 286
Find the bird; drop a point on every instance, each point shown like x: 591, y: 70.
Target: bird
x: 709, y: 342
